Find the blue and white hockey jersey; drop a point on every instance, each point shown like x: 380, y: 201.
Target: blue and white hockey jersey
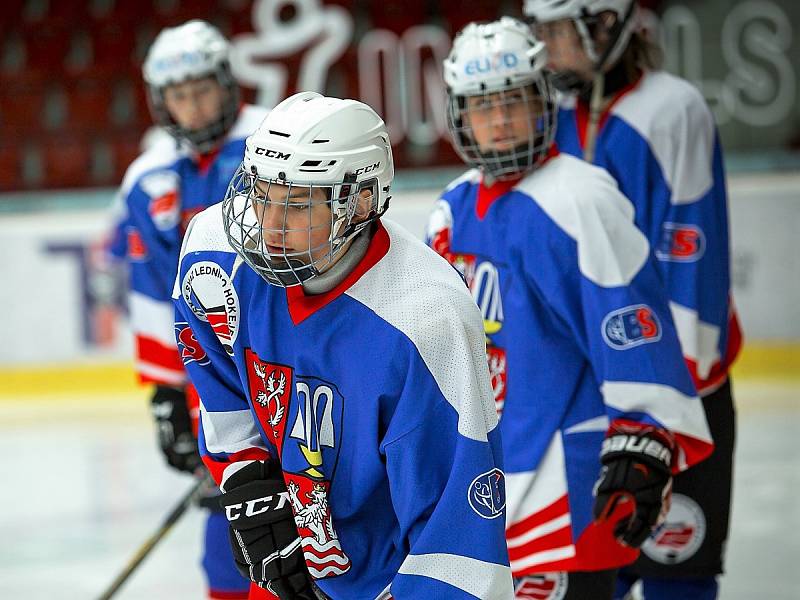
x: 579, y: 334
x: 160, y: 193
x: 659, y: 141
x: 376, y: 400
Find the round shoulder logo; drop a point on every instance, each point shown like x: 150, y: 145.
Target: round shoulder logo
x: 631, y: 326
x: 680, y: 536
x: 547, y: 586
x: 487, y: 494
x: 208, y: 291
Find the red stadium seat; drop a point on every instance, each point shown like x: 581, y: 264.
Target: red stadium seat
x: 46, y: 45
x: 10, y: 166
x: 454, y: 15
x: 89, y: 104
x: 397, y: 16
x: 124, y: 149
x: 66, y: 161
x: 22, y: 104
x: 113, y: 45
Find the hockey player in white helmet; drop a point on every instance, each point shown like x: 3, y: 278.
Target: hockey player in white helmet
x: 654, y: 133
x: 597, y: 407
x: 194, y: 97
x: 346, y: 410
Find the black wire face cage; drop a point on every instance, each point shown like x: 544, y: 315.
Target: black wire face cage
x: 202, y: 140
x: 517, y: 123
x: 289, y: 232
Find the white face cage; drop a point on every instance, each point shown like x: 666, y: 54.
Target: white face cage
x: 289, y: 232
x: 205, y: 139
x: 527, y: 111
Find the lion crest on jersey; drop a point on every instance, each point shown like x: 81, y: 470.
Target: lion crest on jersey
x: 270, y: 388
x: 302, y: 417
x: 312, y: 516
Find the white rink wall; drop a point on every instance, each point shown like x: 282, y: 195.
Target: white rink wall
x: 62, y: 308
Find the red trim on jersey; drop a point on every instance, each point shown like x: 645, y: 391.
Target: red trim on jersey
x: 694, y: 451
x: 193, y: 404
x: 582, y: 111
x: 151, y: 351
x: 223, y: 595
x: 302, y: 306
x: 257, y: 593
x: 557, y: 509
x: 204, y: 161
x: 596, y: 549
x: 720, y: 370
x: 217, y: 466
x: 487, y: 195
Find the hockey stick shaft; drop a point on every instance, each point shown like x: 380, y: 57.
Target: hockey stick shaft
x: 595, y: 109
x: 145, y: 549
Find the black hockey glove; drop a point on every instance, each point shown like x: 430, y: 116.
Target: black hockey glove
x: 636, y: 463
x: 263, y: 535
x: 174, y: 428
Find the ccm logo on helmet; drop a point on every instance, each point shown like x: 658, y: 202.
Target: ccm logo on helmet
x: 367, y: 169
x: 272, y: 153
x: 487, y: 64
x: 255, y: 507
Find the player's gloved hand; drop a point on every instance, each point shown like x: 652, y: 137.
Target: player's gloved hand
x: 174, y: 428
x: 266, y: 544
x: 637, y: 462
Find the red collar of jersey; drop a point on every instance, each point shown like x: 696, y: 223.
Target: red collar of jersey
x: 302, y: 306
x: 204, y: 161
x: 582, y: 110
x: 487, y: 195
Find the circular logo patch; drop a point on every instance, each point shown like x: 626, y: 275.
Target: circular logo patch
x: 547, y: 586
x: 487, y: 494
x: 209, y: 293
x: 680, y: 536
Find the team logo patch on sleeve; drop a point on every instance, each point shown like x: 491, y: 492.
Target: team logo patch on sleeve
x: 681, y: 243
x: 681, y: 536
x: 165, y: 205
x: 547, y: 586
x: 209, y: 293
x: 631, y: 326
x: 190, y: 348
x: 487, y: 494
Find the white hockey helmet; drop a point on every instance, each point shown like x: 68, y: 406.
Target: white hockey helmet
x: 190, y: 51
x: 309, y: 141
x: 490, y: 60
x: 585, y: 14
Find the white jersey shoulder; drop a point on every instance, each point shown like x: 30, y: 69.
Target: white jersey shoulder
x: 419, y: 293
x: 672, y: 116
x: 471, y: 176
x: 250, y: 117
x: 585, y: 203
x: 163, y: 153
x: 206, y: 232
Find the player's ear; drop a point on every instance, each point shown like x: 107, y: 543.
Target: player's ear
x: 366, y: 204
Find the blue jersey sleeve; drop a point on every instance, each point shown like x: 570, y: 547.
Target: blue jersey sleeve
x: 228, y: 432
x: 440, y: 477
x: 601, y: 282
